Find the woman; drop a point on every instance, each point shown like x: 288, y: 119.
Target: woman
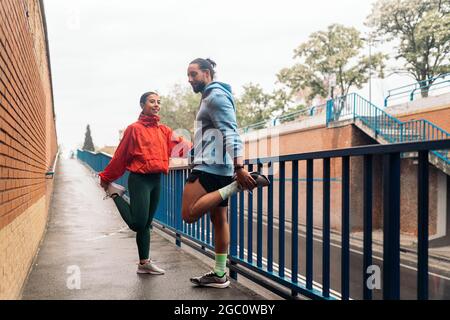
x: 144, y: 151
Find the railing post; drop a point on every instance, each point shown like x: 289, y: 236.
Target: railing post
x: 294, y: 236
x: 177, y: 189
x: 367, y: 223
x: 345, y: 226
x: 391, y: 226
x: 233, y: 233
x: 329, y: 111
x: 309, y: 223
x: 422, y: 246
x: 326, y: 229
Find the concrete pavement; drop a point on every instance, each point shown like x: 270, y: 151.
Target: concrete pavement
x: 89, y: 253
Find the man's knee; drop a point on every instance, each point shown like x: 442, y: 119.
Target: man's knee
x: 186, y: 215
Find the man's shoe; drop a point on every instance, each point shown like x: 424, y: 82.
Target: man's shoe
x: 261, y: 180
x: 150, y: 268
x: 211, y: 280
x: 115, y: 189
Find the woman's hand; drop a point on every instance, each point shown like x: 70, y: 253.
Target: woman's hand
x: 104, y: 184
x: 245, y: 180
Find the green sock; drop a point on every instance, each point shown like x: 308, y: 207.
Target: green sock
x: 221, y: 262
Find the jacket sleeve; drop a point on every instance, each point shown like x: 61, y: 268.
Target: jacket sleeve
x: 122, y: 157
x: 223, y: 115
x: 177, y: 146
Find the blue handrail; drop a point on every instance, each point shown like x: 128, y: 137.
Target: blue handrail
x: 412, y: 88
x: 287, y: 117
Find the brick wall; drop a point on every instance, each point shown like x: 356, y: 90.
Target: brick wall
x: 28, y: 142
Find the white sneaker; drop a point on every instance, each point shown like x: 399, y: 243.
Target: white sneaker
x: 150, y: 267
x: 115, y: 189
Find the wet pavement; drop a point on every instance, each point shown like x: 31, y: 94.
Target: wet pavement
x: 89, y: 253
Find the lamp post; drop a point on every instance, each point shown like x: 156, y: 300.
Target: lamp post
x: 370, y: 41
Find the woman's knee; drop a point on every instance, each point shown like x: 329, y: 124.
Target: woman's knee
x: 138, y: 226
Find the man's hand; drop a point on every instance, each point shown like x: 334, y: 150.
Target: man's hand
x: 104, y: 184
x: 245, y: 180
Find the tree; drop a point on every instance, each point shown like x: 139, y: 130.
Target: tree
x: 335, y: 51
x: 179, y: 108
x: 88, y: 144
x: 423, y: 30
x: 252, y: 106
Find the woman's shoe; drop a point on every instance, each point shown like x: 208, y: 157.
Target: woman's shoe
x: 150, y: 267
x: 115, y: 189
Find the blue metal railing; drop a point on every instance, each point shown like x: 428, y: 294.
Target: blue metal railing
x: 99, y: 161
x: 287, y: 117
x: 273, y: 262
x: 391, y: 129
x: 411, y: 90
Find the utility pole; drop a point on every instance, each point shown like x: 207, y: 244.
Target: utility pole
x: 370, y: 41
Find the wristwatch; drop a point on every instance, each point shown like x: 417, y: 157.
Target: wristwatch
x: 238, y: 167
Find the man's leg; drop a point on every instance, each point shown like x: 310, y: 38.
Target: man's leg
x: 197, y: 206
x: 192, y: 192
x: 197, y: 202
x: 217, y: 278
x: 221, y: 239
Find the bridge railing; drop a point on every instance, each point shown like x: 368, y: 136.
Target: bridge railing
x: 264, y: 225
x: 410, y: 90
x: 286, y: 117
x: 353, y: 106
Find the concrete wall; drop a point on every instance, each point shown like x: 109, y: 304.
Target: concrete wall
x: 28, y: 143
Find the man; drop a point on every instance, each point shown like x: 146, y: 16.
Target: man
x: 217, y: 156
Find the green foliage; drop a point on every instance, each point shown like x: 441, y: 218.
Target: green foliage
x: 255, y: 106
x: 179, y: 108
x: 422, y: 28
x: 335, y: 51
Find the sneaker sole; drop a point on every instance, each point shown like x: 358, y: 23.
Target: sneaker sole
x: 214, y: 285
x: 149, y: 272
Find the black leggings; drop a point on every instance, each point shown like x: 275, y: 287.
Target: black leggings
x: 144, y: 191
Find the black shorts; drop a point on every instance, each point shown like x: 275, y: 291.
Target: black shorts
x: 210, y: 182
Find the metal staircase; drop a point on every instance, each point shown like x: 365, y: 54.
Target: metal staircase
x: 385, y: 128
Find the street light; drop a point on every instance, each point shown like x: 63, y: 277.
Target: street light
x: 370, y: 41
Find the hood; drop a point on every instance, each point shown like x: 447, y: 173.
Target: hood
x: 219, y: 85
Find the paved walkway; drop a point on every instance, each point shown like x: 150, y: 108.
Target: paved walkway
x: 87, y: 237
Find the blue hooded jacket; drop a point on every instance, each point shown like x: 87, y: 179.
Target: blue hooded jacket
x: 216, y: 139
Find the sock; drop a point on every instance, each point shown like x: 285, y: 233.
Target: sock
x: 221, y: 262
x: 229, y: 190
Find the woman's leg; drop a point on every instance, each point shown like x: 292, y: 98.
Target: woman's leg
x: 143, y: 236
x: 124, y: 210
x: 135, y: 214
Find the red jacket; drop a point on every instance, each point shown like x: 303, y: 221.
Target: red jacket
x: 145, y: 148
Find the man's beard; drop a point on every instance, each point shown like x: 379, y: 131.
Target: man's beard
x: 198, y: 87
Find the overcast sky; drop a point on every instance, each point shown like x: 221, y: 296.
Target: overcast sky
x: 106, y: 53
